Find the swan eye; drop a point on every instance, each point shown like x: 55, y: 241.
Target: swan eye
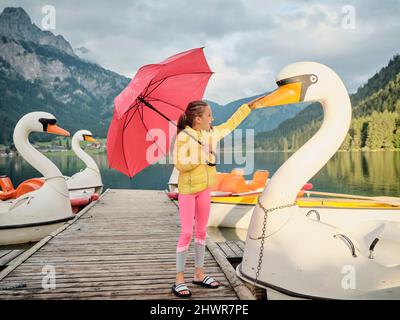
x: 313, y: 79
x: 46, y: 122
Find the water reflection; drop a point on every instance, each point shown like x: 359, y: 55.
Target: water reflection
x: 363, y: 173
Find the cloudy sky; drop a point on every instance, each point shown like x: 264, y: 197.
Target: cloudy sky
x: 246, y: 42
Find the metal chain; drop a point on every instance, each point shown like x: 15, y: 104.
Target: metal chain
x: 266, y: 211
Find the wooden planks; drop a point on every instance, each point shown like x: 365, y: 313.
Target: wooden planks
x: 232, y: 249
x: 7, y: 256
x: 121, y: 248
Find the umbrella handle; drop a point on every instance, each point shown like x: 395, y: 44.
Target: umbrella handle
x: 210, y: 163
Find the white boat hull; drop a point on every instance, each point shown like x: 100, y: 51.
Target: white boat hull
x: 26, y: 234
x: 230, y: 215
x: 271, y: 294
x: 239, y: 215
x: 343, y: 218
x: 33, y: 215
x: 311, y: 259
x: 79, y: 193
x: 86, y: 179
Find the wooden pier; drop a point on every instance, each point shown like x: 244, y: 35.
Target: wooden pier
x: 6, y: 256
x: 232, y: 250
x: 120, y: 247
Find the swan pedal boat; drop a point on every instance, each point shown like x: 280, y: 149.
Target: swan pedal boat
x: 86, y: 185
x: 232, y: 198
x: 40, y: 205
x: 345, y: 251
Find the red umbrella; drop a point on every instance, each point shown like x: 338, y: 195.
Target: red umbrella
x: 155, y: 97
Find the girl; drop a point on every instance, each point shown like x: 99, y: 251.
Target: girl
x: 195, y: 161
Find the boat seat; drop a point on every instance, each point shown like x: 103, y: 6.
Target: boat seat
x: 7, y: 189
x: 218, y: 180
x: 234, y: 184
x: 29, y: 186
x: 221, y: 176
x: 260, y: 178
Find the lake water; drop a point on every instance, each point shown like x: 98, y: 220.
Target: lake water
x: 362, y: 173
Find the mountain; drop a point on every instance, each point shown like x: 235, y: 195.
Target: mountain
x: 375, y: 123
x: 15, y: 23
x: 39, y: 71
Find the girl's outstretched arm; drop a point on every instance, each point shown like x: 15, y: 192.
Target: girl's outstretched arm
x: 233, y: 122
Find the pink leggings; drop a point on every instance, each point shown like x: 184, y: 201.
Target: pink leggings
x: 193, y: 209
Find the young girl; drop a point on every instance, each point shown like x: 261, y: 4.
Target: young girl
x: 197, y: 173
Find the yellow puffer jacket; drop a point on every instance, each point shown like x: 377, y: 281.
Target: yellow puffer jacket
x: 190, y: 158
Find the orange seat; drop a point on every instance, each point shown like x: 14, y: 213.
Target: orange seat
x: 7, y: 188
x: 28, y: 186
x: 218, y: 180
x: 260, y: 178
x: 234, y: 184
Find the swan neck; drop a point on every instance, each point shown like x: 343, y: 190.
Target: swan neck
x: 88, y: 160
x: 36, y: 159
x: 284, y: 186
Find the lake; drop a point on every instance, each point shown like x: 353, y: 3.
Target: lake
x: 362, y: 173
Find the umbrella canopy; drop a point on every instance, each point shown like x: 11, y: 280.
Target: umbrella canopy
x: 139, y: 133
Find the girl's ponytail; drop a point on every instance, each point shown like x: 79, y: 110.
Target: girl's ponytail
x: 182, y: 122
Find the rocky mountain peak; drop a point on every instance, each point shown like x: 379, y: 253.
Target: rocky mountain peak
x: 15, y: 23
x: 18, y: 15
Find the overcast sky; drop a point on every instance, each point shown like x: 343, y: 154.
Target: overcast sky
x: 246, y: 42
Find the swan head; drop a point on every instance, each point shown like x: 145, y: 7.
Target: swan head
x: 41, y: 122
x: 84, y: 135
x: 303, y: 82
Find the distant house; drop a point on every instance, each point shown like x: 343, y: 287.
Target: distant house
x: 57, y: 149
x: 93, y: 146
x: 50, y: 148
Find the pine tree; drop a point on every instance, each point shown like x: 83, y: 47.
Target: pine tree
x: 346, y: 143
x: 373, y: 139
x: 388, y: 125
x: 356, y: 134
x: 396, y: 138
x: 285, y: 145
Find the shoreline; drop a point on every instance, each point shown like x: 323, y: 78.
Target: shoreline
x: 96, y: 152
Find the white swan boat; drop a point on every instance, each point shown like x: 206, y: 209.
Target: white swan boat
x: 37, y: 206
x: 319, y: 252
x: 90, y: 177
x: 84, y: 186
x: 233, y: 198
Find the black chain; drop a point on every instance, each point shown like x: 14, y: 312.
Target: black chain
x: 266, y: 211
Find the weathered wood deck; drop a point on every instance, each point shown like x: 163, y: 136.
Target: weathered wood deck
x: 232, y: 249
x: 7, y: 256
x: 121, y: 247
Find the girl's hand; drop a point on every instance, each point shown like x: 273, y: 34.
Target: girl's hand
x: 253, y: 104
